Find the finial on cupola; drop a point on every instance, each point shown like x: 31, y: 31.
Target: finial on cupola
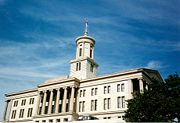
x: 86, y: 27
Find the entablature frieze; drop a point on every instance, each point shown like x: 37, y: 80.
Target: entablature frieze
x: 44, y: 90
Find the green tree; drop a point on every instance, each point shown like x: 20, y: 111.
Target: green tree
x: 160, y: 103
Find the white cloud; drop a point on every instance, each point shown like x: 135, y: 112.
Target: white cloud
x: 154, y: 64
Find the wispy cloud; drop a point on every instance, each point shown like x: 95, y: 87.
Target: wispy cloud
x: 154, y: 65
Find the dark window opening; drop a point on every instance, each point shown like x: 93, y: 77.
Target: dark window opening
x: 135, y: 85
x: 80, y: 52
x: 77, y: 64
x: 90, y: 53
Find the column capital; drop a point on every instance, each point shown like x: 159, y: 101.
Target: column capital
x: 140, y: 79
x: 73, y: 86
x: 51, y: 90
x: 57, y: 89
x: 8, y: 100
x: 40, y: 92
x: 65, y: 87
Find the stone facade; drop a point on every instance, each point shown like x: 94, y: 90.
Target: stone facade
x: 82, y: 93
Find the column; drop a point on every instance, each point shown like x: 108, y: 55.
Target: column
x: 38, y: 103
x: 6, y: 107
x: 71, y: 109
x: 141, y: 86
x: 64, y: 100
x: 130, y: 89
x: 8, y: 110
x: 57, y: 101
x: 44, y: 102
x: 50, y: 102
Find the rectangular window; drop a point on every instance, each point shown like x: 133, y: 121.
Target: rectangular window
x: 121, y: 102
x: 23, y: 102
x: 95, y: 91
x: 81, y: 106
x: 31, y: 101
x: 95, y: 108
x: 105, y: 89
x: 58, y: 120
x: 92, y: 91
x: 84, y: 92
x: 118, y: 87
x: 107, y: 103
x: 29, y: 112
x: 80, y: 52
x: 50, y: 121
x: 93, y: 105
x: 21, y: 113
x: 108, y: 89
x: 65, y: 119
x: 13, y: 114
x: 118, y: 102
x: 15, y: 103
x: 122, y: 87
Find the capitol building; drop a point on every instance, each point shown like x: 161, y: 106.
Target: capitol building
x: 82, y: 92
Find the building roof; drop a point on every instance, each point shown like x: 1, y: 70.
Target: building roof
x: 21, y: 92
x: 57, y: 80
x: 151, y: 74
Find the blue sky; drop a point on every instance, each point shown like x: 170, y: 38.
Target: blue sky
x: 37, y: 38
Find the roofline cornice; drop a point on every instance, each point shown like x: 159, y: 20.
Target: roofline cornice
x: 21, y: 92
x: 60, y: 82
x: 120, y: 74
x: 85, y: 37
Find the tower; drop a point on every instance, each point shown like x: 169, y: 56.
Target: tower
x: 84, y: 66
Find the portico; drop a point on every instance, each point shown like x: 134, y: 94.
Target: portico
x: 58, y: 98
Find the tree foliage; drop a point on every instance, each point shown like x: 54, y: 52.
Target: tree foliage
x: 161, y: 103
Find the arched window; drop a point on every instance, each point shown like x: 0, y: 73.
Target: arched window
x: 80, y: 52
x: 78, y: 66
x: 90, y: 53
